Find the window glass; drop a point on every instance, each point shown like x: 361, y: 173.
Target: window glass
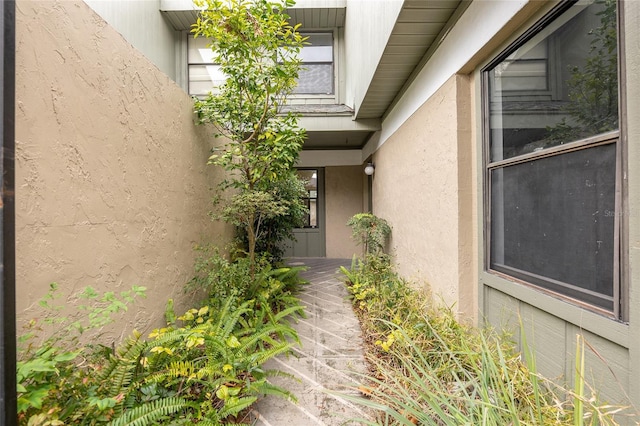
x: 552, y: 220
x: 204, y: 75
x: 560, y: 86
x: 316, y: 74
x: 310, y: 177
x: 202, y: 78
x: 198, y: 52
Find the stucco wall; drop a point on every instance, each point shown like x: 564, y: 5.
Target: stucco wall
x: 111, y: 184
x: 423, y: 186
x: 344, y: 198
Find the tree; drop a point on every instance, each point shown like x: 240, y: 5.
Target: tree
x: 593, y: 86
x: 258, y: 50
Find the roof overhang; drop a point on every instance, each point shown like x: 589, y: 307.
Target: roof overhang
x: 420, y: 28
x: 314, y: 14
x: 341, y: 132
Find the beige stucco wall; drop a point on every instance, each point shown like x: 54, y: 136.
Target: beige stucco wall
x: 344, y: 198
x: 422, y: 186
x: 112, y: 189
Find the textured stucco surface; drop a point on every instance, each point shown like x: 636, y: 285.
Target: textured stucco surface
x: 344, y: 198
x: 423, y: 186
x: 112, y: 189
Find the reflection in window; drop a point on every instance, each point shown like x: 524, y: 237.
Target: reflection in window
x: 524, y: 70
x: 560, y: 86
x: 310, y: 178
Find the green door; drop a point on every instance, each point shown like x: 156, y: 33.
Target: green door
x: 310, y: 240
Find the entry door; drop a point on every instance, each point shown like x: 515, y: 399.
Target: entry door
x: 310, y: 240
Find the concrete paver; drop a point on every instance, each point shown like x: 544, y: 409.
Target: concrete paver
x: 330, y: 354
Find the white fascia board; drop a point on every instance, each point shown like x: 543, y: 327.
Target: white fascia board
x: 475, y: 28
x: 338, y: 124
x: 330, y: 158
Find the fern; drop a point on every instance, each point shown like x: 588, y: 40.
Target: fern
x: 233, y: 406
x: 268, y: 388
x: 263, y: 356
x: 227, y: 320
x: 119, y: 372
x: 249, y: 343
x: 290, y: 311
x: 150, y: 412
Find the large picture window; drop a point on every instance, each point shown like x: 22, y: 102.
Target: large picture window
x: 553, y: 156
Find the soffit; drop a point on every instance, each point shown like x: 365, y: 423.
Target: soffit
x: 316, y: 18
x: 312, y: 14
x: 421, y: 25
x: 336, y: 140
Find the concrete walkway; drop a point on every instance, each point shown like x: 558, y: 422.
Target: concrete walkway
x: 331, y: 351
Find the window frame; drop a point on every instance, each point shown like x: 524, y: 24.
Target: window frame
x: 309, y: 197
x: 617, y: 137
x: 294, y: 98
x: 311, y: 98
x: 190, y: 38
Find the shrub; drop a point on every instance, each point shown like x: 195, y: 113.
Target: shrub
x: 56, y: 376
x: 204, y: 367
x: 220, y: 278
x: 370, y: 231
x: 430, y: 369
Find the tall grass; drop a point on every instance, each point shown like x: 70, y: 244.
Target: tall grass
x: 430, y: 369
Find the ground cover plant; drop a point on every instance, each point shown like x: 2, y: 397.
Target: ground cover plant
x: 204, y: 367
x: 427, y: 368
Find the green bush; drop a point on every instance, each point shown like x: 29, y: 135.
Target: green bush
x: 289, y: 190
x: 371, y: 231
x: 56, y: 370
x: 220, y: 278
x: 204, y: 367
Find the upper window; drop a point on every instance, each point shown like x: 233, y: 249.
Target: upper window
x: 552, y: 147
x: 316, y: 73
x: 204, y: 75
x: 315, y: 76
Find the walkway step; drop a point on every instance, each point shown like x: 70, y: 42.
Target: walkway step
x: 329, y: 359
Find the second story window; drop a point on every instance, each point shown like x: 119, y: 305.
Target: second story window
x: 316, y: 74
x: 204, y: 75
